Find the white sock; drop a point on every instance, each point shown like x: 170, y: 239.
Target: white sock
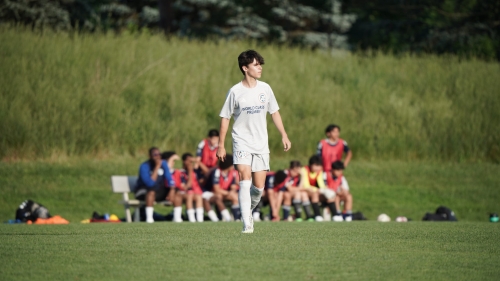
x: 191, y: 216
x: 213, y: 216
x: 199, y: 214
x: 149, y: 214
x: 245, y: 201
x: 225, y: 215
x: 256, y: 216
x: 255, y: 194
x: 177, y: 214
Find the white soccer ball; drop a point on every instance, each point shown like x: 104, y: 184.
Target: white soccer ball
x: 401, y: 219
x: 383, y: 218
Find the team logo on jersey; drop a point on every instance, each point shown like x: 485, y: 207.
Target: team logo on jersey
x: 241, y: 154
x: 262, y: 98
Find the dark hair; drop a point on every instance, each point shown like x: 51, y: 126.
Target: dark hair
x: 228, y: 162
x: 247, y: 57
x: 279, y: 177
x: 186, y: 155
x: 152, y: 149
x: 338, y: 165
x: 315, y: 160
x: 213, y: 133
x: 331, y: 127
x: 167, y: 154
x: 295, y: 164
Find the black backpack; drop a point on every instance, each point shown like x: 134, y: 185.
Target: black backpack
x: 442, y: 214
x: 30, y: 211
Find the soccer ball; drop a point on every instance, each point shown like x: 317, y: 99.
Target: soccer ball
x: 383, y: 218
x: 401, y: 219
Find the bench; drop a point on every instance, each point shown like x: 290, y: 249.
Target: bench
x: 124, y: 185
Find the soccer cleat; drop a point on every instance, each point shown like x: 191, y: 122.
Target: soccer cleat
x: 178, y: 221
x: 337, y: 218
x: 310, y: 219
x: 319, y: 218
x: 299, y: 219
x: 150, y: 221
x: 348, y: 218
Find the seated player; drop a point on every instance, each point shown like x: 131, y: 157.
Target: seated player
x: 170, y: 157
x: 187, y: 190
x: 336, y: 181
x: 293, y: 191
x: 221, y: 185
x: 332, y: 148
x: 311, y: 180
x: 206, y: 158
x: 153, y: 182
x: 268, y: 197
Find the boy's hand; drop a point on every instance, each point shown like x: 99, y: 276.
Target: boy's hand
x: 221, y: 153
x: 158, y: 163
x: 286, y: 143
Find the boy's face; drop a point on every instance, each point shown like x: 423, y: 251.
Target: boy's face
x: 155, y: 155
x: 213, y: 141
x: 254, y: 69
x: 189, y: 161
x: 295, y: 171
x: 316, y: 168
x: 337, y: 173
x: 333, y: 134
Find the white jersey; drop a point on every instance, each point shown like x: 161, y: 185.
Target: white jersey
x: 250, y: 106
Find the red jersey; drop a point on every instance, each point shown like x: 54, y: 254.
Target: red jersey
x: 312, y: 181
x: 331, y: 152
x: 180, y: 178
x: 208, y: 154
x: 333, y: 183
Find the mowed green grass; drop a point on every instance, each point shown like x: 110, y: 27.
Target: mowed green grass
x: 74, y: 188
x: 276, y: 251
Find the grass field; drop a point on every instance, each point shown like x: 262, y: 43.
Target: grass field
x: 74, y: 188
x: 276, y: 251
x: 107, y: 95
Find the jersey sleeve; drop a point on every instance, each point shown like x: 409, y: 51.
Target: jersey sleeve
x: 304, y: 181
x: 216, y: 177
x: 273, y: 104
x: 228, y: 108
x: 321, y: 181
x: 346, y: 147
x: 319, y: 149
x: 345, y: 185
x: 199, y: 150
x: 145, y: 176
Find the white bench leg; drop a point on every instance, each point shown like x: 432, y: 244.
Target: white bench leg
x: 137, y: 215
x: 127, y: 213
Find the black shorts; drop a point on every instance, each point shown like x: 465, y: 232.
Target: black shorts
x: 160, y: 193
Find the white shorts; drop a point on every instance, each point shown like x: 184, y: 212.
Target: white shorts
x: 258, y: 162
x: 207, y: 195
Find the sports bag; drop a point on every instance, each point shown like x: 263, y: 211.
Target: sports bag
x: 30, y: 211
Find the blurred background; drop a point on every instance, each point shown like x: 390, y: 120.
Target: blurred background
x: 88, y: 86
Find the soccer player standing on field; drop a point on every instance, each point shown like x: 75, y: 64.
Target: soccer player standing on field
x: 248, y: 102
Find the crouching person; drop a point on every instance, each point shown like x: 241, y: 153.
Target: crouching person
x: 153, y: 182
x: 222, y: 185
x: 336, y: 182
x: 187, y: 190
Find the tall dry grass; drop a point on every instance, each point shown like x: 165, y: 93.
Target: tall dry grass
x: 64, y: 94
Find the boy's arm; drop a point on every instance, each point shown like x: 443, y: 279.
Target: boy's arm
x: 221, y: 151
x: 348, y: 158
x: 218, y: 190
x: 279, y: 125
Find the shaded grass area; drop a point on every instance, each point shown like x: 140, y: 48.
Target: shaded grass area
x: 76, y: 188
x: 276, y: 251
x: 118, y: 95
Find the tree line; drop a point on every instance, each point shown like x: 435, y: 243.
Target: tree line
x: 463, y: 27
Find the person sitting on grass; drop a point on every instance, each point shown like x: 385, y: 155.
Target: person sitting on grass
x: 153, y: 182
x: 206, y: 154
x: 311, y: 180
x: 222, y: 184
x: 336, y: 182
x: 332, y: 148
x: 187, y: 190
